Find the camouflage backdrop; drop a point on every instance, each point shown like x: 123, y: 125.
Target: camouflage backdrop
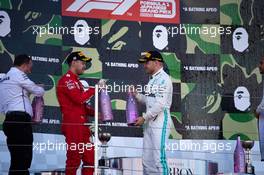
x: 217, y: 84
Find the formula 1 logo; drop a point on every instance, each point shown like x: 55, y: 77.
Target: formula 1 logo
x: 161, y: 11
x: 119, y: 7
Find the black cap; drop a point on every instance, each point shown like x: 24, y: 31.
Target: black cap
x: 151, y: 56
x: 77, y: 56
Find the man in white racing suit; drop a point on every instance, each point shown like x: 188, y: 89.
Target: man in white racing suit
x: 157, y: 119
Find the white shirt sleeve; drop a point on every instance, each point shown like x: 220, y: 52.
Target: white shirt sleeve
x: 2, y: 110
x: 30, y: 86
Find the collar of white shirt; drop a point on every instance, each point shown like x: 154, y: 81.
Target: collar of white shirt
x: 16, y: 70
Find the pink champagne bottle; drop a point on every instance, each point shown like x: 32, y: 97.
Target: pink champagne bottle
x: 261, y: 134
x: 239, y: 158
x: 131, y: 109
x: 38, y: 109
x: 105, y: 105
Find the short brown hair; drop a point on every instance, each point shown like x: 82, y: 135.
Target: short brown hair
x: 21, y: 59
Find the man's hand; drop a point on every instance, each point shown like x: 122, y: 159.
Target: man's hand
x: 139, y: 121
x: 256, y: 114
x: 102, y: 84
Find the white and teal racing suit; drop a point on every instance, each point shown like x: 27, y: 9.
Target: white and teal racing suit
x: 158, y: 99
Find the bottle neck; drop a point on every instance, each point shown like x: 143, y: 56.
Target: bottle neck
x: 238, y: 138
x: 239, y: 142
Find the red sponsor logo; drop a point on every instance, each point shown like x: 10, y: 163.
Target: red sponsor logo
x: 163, y: 11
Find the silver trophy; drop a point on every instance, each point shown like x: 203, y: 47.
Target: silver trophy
x: 248, y: 145
x: 104, y: 139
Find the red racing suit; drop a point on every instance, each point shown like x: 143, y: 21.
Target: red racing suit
x: 72, y: 98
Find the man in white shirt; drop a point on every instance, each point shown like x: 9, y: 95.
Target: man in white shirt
x: 260, y: 111
x: 260, y: 107
x: 2, y: 111
x: 158, y: 99
x: 15, y: 89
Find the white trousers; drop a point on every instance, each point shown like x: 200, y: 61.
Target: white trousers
x: 156, y: 134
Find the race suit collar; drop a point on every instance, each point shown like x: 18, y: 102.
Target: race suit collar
x: 72, y: 74
x: 157, y: 73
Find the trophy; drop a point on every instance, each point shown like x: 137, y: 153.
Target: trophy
x: 248, y: 145
x: 104, y: 139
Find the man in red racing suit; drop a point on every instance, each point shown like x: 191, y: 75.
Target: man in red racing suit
x: 72, y: 98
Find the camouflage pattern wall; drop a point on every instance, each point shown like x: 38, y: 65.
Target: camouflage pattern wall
x: 211, y: 50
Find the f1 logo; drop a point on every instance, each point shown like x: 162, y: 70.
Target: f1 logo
x: 119, y: 7
x: 160, y: 11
